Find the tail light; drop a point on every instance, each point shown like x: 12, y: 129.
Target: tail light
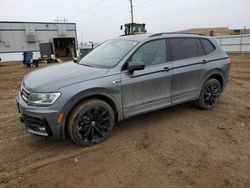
x: 229, y: 60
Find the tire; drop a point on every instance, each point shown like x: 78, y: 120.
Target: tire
x: 209, y: 95
x: 91, y: 122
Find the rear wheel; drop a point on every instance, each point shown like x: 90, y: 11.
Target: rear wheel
x: 91, y: 122
x: 209, y: 95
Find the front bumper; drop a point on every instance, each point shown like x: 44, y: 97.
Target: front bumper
x: 41, y: 121
x: 36, y: 126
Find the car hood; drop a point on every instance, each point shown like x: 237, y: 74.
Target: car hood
x: 50, y: 79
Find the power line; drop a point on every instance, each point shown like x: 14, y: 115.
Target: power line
x: 88, y: 8
x: 104, y: 10
x: 150, y: 4
x: 103, y: 18
x: 118, y: 5
x: 100, y: 20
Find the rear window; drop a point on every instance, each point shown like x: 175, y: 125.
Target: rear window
x: 182, y: 48
x: 208, y: 47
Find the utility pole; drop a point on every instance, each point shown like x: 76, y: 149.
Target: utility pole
x: 61, y: 20
x: 131, y: 11
x: 81, y: 36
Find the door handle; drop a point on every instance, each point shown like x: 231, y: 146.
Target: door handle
x: 166, y: 69
x: 116, y: 81
x: 204, y: 61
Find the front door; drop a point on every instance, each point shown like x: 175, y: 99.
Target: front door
x: 147, y: 89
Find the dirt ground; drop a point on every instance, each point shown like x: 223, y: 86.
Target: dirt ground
x: 177, y: 147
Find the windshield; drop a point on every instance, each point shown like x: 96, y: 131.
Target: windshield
x: 108, y: 54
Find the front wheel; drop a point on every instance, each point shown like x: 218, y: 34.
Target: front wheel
x: 91, y: 122
x: 209, y: 94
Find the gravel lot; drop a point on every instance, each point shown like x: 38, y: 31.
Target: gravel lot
x: 177, y: 147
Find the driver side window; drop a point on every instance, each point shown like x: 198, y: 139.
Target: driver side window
x: 151, y: 53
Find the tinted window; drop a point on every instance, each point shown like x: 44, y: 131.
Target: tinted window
x: 208, y: 47
x: 151, y: 53
x: 199, y: 48
x: 182, y: 48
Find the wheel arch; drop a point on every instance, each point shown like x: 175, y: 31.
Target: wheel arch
x: 217, y: 74
x: 78, y: 98
x: 217, y: 77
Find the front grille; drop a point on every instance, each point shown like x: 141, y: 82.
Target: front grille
x: 25, y: 94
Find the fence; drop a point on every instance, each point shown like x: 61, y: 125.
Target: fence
x: 234, y: 43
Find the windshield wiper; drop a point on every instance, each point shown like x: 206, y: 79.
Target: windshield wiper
x: 86, y: 65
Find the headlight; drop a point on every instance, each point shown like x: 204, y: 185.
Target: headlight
x: 43, y: 99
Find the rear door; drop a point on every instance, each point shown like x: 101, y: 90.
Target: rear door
x: 147, y: 89
x: 188, y: 59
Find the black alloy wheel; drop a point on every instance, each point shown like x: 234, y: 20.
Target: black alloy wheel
x: 91, y: 122
x: 210, y: 93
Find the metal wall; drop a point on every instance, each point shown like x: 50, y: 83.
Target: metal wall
x: 14, y: 41
x: 235, y: 43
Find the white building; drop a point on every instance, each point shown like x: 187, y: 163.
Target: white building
x: 18, y: 37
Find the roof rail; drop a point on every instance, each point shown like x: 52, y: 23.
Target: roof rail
x: 159, y: 34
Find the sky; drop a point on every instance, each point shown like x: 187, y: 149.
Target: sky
x: 99, y: 20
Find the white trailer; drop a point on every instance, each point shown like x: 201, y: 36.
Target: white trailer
x: 19, y: 37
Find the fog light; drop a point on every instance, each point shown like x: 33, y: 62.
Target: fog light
x: 42, y: 129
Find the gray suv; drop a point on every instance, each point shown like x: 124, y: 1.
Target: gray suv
x: 121, y: 78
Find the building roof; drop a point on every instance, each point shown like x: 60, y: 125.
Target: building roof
x: 24, y: 22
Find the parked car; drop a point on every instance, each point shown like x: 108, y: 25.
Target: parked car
x: 121, y: 78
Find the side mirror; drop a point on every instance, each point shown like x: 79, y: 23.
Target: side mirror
x: 132, y: 66
x: 121, y: 27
